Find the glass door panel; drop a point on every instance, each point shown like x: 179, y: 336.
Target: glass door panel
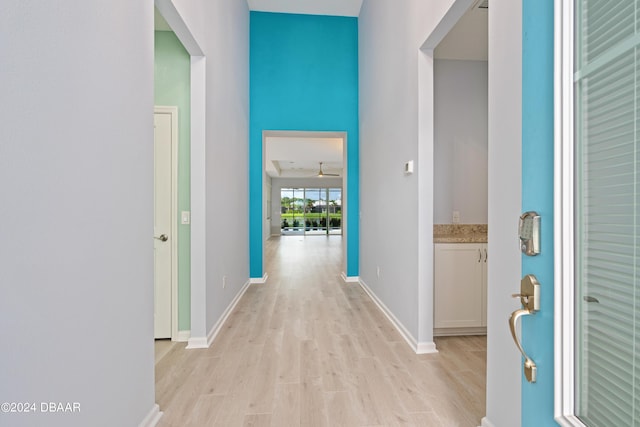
x: 607, y: 220
x: 292, y: 210
x: 311, y: 211
x: 334, y: 210
x: 315, y: 216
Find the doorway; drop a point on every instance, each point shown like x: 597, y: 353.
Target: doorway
x: 313, y: 167
x: 460, y: 70
x: 454, y: 73
x: 504, y: 192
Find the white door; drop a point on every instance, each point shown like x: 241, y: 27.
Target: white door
x: 162, y: 221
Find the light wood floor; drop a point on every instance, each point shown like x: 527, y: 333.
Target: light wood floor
x: 305, y: 349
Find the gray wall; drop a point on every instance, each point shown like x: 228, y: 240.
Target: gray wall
x: 504, y: 364
x: 227, y: 152
x: 76, y: 183
x: 393, y: 218
x: 460, y: 146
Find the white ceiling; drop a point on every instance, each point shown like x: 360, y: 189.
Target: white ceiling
x: 298, y: 154
x: 308, y: 7
x: 468, y: 39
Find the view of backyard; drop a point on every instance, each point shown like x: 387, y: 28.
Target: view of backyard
x: 311, y: 210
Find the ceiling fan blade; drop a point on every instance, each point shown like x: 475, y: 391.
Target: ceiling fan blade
x: 321, y: 173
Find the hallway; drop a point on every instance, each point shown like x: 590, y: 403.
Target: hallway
x: 305, y: 349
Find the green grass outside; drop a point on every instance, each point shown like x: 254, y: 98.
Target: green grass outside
x: 310, y: 216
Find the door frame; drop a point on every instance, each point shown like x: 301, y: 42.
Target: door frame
x: 173, y: 112
x: 504, y: 403
x: 564, y: 182
x: 345, y: 199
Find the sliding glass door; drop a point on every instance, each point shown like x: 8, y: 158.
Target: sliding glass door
x: 292, y: 210
x: 311, y: 211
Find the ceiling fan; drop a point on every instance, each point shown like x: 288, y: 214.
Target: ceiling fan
x: 321, y: 174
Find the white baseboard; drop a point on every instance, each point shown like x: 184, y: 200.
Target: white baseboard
x: 197, y: 342
x: 183, y: 336
x: 259, y: 280
x: 450, y: 332
x: 349, y: 279
x: 152, y: 418
x: 218, y: 326
x: 487, y: 423
x: 205, y: 342
x: 418, y: 347
x: 426, y: 348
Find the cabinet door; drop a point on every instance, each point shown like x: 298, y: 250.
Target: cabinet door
x: 459, y: 294
x: 483, y: 277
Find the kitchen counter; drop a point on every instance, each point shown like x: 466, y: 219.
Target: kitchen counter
x: 459, y: 233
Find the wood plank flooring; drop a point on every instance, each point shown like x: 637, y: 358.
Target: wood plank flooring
x: 305, y: 349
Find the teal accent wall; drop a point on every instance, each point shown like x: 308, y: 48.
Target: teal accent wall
x: 172, y: 86
x: 304, y: 77
x: 537, y: 195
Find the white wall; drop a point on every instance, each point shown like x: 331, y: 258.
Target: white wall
x: 392, y: 218
x: 221, y: 30
x: 76, y: 183
x: 460, y: 142
x: 504, y: 364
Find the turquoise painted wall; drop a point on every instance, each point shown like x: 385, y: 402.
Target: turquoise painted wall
x: 303, y: 76
x: 537, y: 195
x: 172, y: 85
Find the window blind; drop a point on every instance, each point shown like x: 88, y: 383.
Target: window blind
x: 607, y: 129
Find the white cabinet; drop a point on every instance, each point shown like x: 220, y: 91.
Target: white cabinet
x: 460, y: 288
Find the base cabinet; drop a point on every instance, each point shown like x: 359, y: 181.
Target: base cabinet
x: 460, y: 288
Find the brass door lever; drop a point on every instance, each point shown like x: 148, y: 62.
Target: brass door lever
x: 530, y: 298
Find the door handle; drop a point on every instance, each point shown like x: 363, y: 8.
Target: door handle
x: 530, y: 298
x: 162, y: 238
x: 530, y: 368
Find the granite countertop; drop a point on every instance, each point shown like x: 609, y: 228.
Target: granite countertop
x: 459, y: 233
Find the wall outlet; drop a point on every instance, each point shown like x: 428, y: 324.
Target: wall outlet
x: 224, y: 282
x: 378, y: 271
x: 456, y: 217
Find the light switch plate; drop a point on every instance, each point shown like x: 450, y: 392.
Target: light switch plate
x: 185, y: 218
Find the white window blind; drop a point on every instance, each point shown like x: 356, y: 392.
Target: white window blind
x: 607, y: 246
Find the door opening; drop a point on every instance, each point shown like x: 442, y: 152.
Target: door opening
x: 317, y: 200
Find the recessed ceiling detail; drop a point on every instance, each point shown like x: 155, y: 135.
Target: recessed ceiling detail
x: 300, y: 156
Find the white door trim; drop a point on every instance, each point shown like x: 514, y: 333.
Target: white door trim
x: 564, y: 392
x: 173, y: 112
